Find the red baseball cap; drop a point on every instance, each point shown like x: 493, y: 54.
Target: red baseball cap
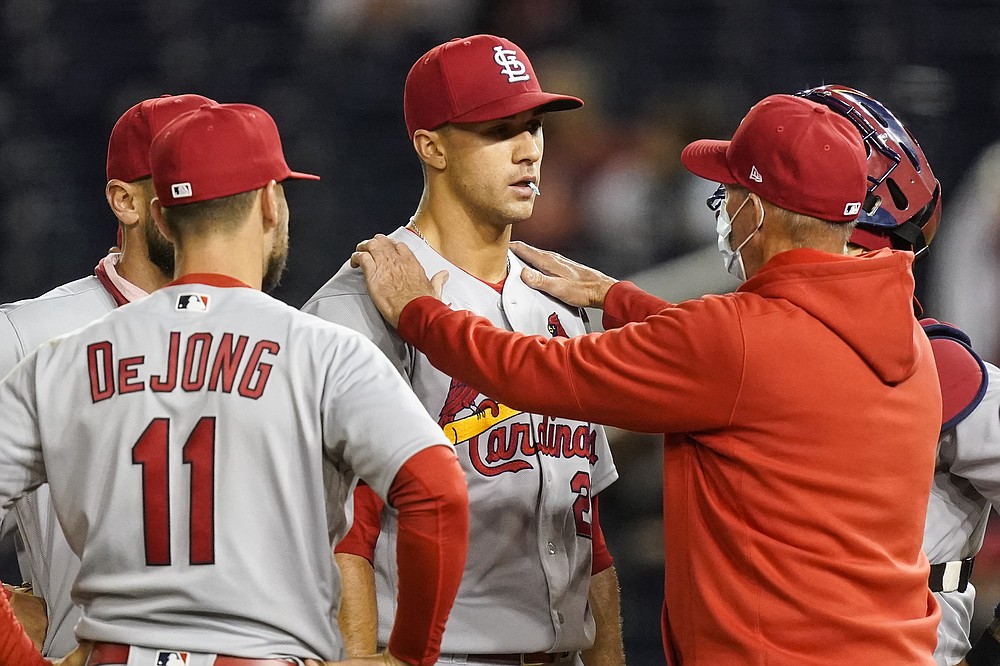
x: 794, y: 153
x: 472, y: 79
x: 128, y: 147
x: 215, y: 151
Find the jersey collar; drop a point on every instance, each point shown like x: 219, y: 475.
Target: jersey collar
x: 121, y: 290
x: 210, y: 279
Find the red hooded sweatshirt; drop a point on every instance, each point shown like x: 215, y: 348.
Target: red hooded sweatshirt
x: 801, y: 418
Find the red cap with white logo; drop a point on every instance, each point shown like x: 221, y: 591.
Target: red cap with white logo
x: 794, y: 153
x: 473, y: 79
x: 216, y: 151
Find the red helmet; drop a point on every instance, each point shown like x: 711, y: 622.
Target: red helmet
x: 903, y: 206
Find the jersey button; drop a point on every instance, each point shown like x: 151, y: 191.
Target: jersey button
x: 560, y: 616
x: 552, y: 548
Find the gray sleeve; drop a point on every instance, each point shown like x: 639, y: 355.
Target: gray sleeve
x: 21, y: 466
x: 345, y: 301
x: 11, y: 349
x: 373, y: 422
x: 973, y: 448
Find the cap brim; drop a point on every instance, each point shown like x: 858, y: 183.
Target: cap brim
x: 707, y: 158
x: 302, y: 176
x: 515, y: 104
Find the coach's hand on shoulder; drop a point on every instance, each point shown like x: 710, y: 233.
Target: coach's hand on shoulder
x: 562, y: 278
x: 394, y: 276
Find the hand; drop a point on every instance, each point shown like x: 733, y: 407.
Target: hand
x: 77, y: 657
x: 394, y: 276
x: 30, y: 612
x: 562, y: 278
x: 384, y: 659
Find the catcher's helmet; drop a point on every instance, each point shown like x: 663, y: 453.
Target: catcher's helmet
x: 903, y: 206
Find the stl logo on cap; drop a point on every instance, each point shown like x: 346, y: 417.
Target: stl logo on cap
x: 510, y: 66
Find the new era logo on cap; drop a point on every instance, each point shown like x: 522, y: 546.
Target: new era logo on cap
x: 180, y: 190
x: 852, y: 208
x: 755, y: 175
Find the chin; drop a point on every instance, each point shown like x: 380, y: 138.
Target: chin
x: 519, y: 212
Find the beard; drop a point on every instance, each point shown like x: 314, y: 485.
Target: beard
x: 275, y: 265
x: 159, y: 249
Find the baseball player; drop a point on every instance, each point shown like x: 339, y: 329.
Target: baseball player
x: 903, y: 211
x: 145, y: 263
x: 217, y: 435
x: 539, y: 586
x: 770, y: 398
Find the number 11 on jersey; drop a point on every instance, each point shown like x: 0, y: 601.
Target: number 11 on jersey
x: 152, y: 453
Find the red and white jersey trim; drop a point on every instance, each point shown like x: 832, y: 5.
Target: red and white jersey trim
x: 120, y: 289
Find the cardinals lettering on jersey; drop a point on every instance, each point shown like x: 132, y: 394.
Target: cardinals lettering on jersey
x: 204, y: 365
x: 504, y: 442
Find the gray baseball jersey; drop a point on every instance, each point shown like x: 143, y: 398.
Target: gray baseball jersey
x: 52, y: 565
x: 966, y: 484
x: 527, y: 575
x: 200, y: 446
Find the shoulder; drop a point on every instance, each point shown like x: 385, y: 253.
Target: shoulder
x: 346, y: 282
x: 84, y: 290
x: 962, y: 373
x: 65, y: 308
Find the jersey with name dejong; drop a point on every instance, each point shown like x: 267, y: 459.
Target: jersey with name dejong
x: 216, y: 435
x: 51, y: 566
x: 531, y: 476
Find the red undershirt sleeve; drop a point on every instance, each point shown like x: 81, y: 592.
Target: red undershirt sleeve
x: 430, y: 493
x: 360, y: 540
x: 15, y: 646
x: 626, y: 303
x: 601, y: 555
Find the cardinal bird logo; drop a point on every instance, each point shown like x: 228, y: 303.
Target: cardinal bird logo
x: 555, y: 327
x: 460, y: 397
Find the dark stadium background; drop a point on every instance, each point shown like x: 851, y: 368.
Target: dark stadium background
x: 654, y: 73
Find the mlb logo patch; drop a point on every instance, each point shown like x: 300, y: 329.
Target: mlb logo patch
x: 852, y: 208
x: 192, y: 302
x: 180, y: 190
x: 171, y: 658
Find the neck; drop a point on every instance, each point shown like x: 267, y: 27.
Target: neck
x: 221, y: 255
x: 476, y: 246
x: 139, y: 270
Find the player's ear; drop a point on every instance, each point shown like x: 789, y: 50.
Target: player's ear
x: 430, y: 147
x: 125, y: 200
x: 156, y: 211
x: 271, y: 196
